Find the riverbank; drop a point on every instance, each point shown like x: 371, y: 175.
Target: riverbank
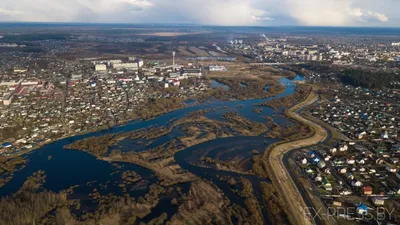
x: 278, y: 171
x: 158, y: 145
x: 195, y: 129
x: 153, y: 109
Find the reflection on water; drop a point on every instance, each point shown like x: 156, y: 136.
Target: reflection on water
x: 69, y: 168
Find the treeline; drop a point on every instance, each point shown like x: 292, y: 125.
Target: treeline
x: 33, y: 182
x: 8, y: 167
x: 251, y: 202
x: 260, y: 167
x: 368, y: 79
x: 274, y: 204
x: 97, y: 146
x: 362, y: 77
x: 28, y: 208
x: 158, y: 106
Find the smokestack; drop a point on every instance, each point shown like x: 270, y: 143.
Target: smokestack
x: 173, y: 60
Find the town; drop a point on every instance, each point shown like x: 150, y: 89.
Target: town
x: 271, y: 117
x: 356, y: 173
x: 88, y: 95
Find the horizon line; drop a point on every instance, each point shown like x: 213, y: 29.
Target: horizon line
x: 191, y: 24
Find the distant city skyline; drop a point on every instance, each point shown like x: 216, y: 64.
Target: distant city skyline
x: 358, y: 13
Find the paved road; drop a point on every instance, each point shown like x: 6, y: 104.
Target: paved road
x: 280, y: 175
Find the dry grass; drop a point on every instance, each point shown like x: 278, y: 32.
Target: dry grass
x: 198, y: 51
x: 183, y: 52
x: 245, y: 71
x: 205, y: 205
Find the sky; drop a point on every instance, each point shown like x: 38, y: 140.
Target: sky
x: 358, y: 13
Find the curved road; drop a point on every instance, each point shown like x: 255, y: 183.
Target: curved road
x: 280, y: 175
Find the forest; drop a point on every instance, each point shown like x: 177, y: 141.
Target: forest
x: 369, y: 79
x: 360, y: 76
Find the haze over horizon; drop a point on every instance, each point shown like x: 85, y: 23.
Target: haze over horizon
x: 361, y: 13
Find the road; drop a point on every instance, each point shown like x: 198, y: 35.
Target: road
x: 278, y: 171
x: 271, y: 64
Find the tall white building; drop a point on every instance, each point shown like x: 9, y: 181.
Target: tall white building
x: 140, y: 63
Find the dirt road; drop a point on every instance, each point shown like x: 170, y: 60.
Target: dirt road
x: 278, y: 172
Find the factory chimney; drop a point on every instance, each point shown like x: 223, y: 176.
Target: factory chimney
x: 173, y: 61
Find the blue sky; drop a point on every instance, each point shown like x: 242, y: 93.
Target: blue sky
x: 208, y: 12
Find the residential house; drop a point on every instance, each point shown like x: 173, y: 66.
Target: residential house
x: 356, y: 183
x: 378, y: 201
x: 316, y: 160
x: 349, y: 176
x: 367, y: 190
x: 391, y: 169
x: 321, y: 164
x: 343, y: 171
x: 318, y: 178
x: 337, y: 203
x: 327, y: 185
x: 362, y: 209
x: 394, y: 160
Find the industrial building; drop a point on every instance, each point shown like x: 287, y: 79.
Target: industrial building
x: 191, y: 72
x: 127, y: 66
x: 217, y: 68
x: 101, y: 67
x: 108, y: 62
x: 20, y: 70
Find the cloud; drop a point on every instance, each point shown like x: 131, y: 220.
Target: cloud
x: 264, y: 18
x: 365, y: 16
x: 7, y: 12
x: 356, y: 12
x: 211, y: 12
x: 140, y: 3
x: 261, y: 15
x: 378, y: 16
x: 334, y: 12
x: 207, y: 12
x: 319, y: 12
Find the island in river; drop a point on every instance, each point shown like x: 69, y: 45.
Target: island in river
x: 201, y: 164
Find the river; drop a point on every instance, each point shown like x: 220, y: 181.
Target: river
x: 69, y: 168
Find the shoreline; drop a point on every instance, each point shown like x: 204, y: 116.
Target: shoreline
x: 126, y: 122
x: 279, y: 173
x: 123, y: 123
